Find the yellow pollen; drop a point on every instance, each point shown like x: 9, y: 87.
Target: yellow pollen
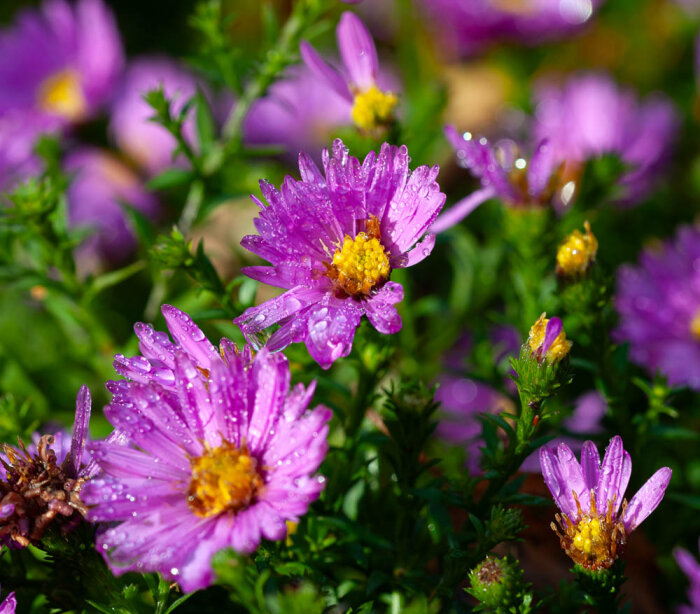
x: 577, y: 252
x: 360, y: 264
x: 560, y: 346
x: 224, y: 479
x: 62, y: 94
x: 695, y: 325
x: 373, y: 108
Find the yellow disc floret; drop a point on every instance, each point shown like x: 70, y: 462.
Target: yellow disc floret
x: 223, y: 479
x: 576, y: 253
x: 361, y: 264
x: 373, y: 108
x: 62, y: 94
x: 558, y: 349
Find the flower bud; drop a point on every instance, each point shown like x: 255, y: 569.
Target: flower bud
x: 547, y: 340
x: 576, y: 253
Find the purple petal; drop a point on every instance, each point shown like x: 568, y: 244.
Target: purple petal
x: 647, y: 499
x: 462, y: 209
x: 330, y: 330
x: 572, y: 476
x: 323, y: 71
x: 190, y: 336
x: 422, y: 250
x: 540, y: 169
x: 554, y: 327
x: 590, y: 464
x: 83, y: 406
x: 608, y: 488
x: 554, y: 480
x: 358, y: 51
x: 380, y: 308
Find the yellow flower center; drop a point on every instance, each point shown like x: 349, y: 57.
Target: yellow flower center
x: 560, y: 346
x: 695, y: 325
x: 62, y: 94
x: 576, y: 252
x: 360, y: 264
x: 593, y: 541
x: 223, y: 479
x: 373, y: 108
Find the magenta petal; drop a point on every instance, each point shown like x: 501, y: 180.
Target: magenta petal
x: 572, y: 476
x: 83, y: 406
x: 610, y: 474
x: 461, y: 209
x: 590, y: 465
x: 647, y: 499
x: 358, y: 51
x: 9, y: 604
x: 330, y: 330
x: 422, y: 250
x: 551, y: 473
x: 380, y: 308
x: 190, y: 336
x: 554, y: 327
x: 624, y: 479
x: 324, y: 71
x: 540, y: 169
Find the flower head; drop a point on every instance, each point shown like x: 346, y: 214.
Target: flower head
x: 61, y: 61
x: 659, y: 306
x: 372, y: 106
x: 504, y: 174
x: 690, y: 568
x: 547, y: 340
x: 44, y: 487
x: 590, y: 115
x: 217, y: 460
x: 333, y: 239
x: 149, y: 144
x: 596, y: 518
x: 576, y: 253
x: 9, y: 604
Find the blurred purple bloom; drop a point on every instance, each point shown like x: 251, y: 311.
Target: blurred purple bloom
x: 149, y: 144
x: 361, y: 85
x: 60, y: 61
x: 156, y: 364
x: 332, y: 239
x: 298, y: 112
x: 466, y: 27
x: 590, y: 495
x: 218, y: 461
x: 503, y: 174
x: 101, y: 186
x: 588, y: 411
x: 19, y: 131
x: 690, y: 568
x: 659, y: 306
x: 591, y: 116
x: 9, y: 604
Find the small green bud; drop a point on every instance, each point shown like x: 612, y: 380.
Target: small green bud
x: 495, y: 582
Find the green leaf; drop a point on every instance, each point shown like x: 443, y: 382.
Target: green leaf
x: 170, y: 178
x: 206, y: 125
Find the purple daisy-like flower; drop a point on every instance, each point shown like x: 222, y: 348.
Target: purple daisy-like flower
x: 101, y: 185
x: 658, y: 302
x: 44, y: 487
x: 333, y: 239
x: 690, y: 568
x: 596, y: 518
x: 466, y: 27
x: 590, y: 115
x: 217, y: 462
x: 61, y: 61
x: 147, y: 143
x: 9, y: 604
x: 503, y: 174
x: 372, y: 106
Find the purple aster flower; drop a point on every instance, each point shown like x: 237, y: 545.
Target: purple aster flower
x: 100, y: 188
x: 658, y: 305
x: 372, y: 107
x: 504, y: 174
x: 299, y: 112
x: 61, y: 61
x: 466, y: 27
x: 596, y: 518
x: 41, y: 488
x: 591, y: 115
x: 148, y: 143
x: 9, y: 604
x: 333, y: 239
x: 156, y: 364
x: 690, y: 568
x: 19, y: 131
x: 217, y: 462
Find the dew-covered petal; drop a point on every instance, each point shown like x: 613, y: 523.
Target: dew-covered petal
x: 121, y: 461
x: 190, y: 337
x: 608, y: 488
x: 380, y: 308
x: 590, y: 465
x: 330, y: 330
x: 422, y: 250
x: 647, y: 499
x: 553, y: 478
x: 83, y: 406
x: 358, y: 51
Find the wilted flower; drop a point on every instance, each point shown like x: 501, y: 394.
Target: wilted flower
x: 333, y: 240
x: 591, y: 116
x: 690, y: 568
x: 44, y: 487
x: 149, y: 144
x: 596, y: 519
x: 576, y: 253
x: 100, y: 188
x: 547, y: 340
x: 659, y: 306
x: 372, y: 107
x: 61, y: 61
x: 466, y: 27
x: 218, y: 461
x: 9, y: 604
x: 503, y: 174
